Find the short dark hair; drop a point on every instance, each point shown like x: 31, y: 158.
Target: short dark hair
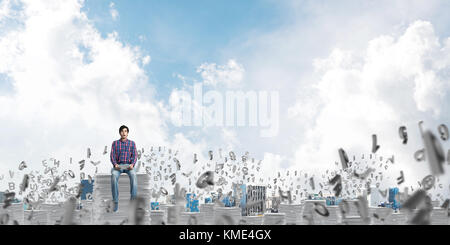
x: 123, y: 127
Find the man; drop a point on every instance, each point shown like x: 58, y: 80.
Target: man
x: 123, y: 159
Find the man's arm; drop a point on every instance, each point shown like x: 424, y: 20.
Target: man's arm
x: 133, y: 154
x: 113, y: 154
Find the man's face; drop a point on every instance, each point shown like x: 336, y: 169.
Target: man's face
x: 124, y: 133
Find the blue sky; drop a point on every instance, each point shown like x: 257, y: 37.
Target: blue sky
x: 181, y: 35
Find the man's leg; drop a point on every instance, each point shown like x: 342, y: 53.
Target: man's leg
x: 133, y: 183
x: 115, y: 174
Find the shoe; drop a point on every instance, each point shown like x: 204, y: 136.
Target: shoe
x: 116, y: 207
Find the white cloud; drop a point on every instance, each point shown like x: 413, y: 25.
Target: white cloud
x: 4, y: 9
x: 72, y: 88
x: 272, y: 164
x: 230, y: 139
x: 146, y: 60
x: 396, y: 81
x: 113, y: 11
x: 229, y: 75
x: 142, y: 38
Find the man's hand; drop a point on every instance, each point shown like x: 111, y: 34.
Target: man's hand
x: 130, y: 167
x: 116, y: 166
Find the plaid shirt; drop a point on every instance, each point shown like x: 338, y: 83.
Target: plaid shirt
x: 123, y: 152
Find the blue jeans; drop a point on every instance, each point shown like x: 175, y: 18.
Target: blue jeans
x: 115, y: 174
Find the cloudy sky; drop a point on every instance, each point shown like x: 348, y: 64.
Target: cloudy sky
x: 72, y: 72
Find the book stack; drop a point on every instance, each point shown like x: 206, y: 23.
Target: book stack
x: 227, y: 215
x: 35, y: 217
x: 207, y: 210
x: 103, y: 205
x: 157, y: 217
x: 274, y: 219
x: 292, y: 211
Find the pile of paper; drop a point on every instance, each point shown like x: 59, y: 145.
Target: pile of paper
x: 35, y: 217
x: 292, y: 211
x: 103, y: 205
x: 435, y: 203
x: 163, y: 207
x: 173, y: 213
x: 310, y: 215
x: 332, y: 218
x: 14, y: 213
x: 207, y: 210
x: 274, y: 219
x: 55, y: 212
x: 399, y: 218
x: 378, y: 214
x: 84, y: 216
x: 227, y: 215
x: 439, y: 216
x: 410, y: 214
x: 191, y: 218
x: 353, y: 220
x: 352, y: 208
x: 157, y: 217
x: 252, y: 220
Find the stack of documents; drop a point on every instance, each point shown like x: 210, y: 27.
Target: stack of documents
x: 157, y: 217
x: 435, y: 203
x: 55, y: 212
x: 274, y: 219
x: 227, y: 215
x: 252, y: 220
x: 378, y: 214
x: 14, y: 211
x: 332, y: 218
x: 410, y: 214
x: 191, y: 218
x: 85, y: 214
x: 173, y: 213
x: 399, y: 218
x: 207, y: 210
x: 439, y: 216
x: 352, y: 208
x: 103, y: 205
x: 310, y: 215
x: 35, y: 217
x: 163, y: 207
x: 353, y: 220
x: 292, y: 211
